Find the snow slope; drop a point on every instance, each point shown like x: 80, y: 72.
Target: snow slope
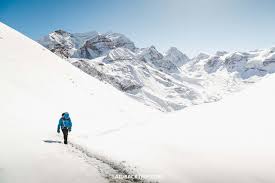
x: 228, y: 141
x: 231, y: 140
x: 36, y: 87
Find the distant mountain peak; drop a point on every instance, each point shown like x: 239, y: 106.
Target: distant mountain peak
x: 176, y: 56
x: 172, y: 49
x: 221, y: 53
x: 61, y: 32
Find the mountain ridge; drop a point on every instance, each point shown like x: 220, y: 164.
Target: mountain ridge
x: 167, y: 81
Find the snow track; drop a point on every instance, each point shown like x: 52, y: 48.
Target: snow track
x: 112, y: 171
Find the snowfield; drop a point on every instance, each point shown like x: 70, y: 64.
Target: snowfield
x: 231, y: 140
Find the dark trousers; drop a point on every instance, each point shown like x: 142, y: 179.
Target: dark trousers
x: 65, y: 135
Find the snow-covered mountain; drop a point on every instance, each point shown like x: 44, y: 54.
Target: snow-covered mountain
x: 144, y: 74
x: 84, y: 45
x: 36, y: 87
x: 169, y: 81
x: 231, y: 140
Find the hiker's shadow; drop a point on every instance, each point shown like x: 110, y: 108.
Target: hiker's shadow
x: 52, y: 141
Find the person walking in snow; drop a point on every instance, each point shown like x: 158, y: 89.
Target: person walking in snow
x: 65, y: 124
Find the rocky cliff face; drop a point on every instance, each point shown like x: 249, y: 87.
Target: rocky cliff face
x: 84, y: 45
x: 169, y: 81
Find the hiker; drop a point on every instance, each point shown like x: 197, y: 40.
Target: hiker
x: 66, y: 126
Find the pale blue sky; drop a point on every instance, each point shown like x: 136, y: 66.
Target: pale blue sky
x: 191, y: 25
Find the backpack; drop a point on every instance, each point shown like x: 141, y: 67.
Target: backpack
x: 63, y: 123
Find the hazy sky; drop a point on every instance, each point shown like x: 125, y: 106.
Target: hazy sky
x: 191, y: 25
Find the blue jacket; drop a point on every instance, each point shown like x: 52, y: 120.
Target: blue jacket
x: 65, y: 122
